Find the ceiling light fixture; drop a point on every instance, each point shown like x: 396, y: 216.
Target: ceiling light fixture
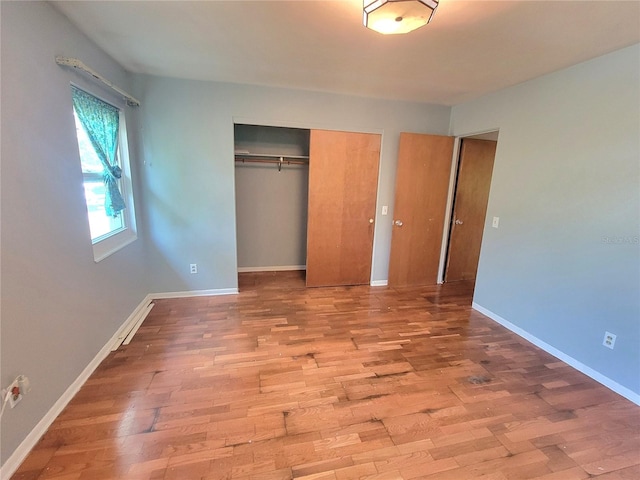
x: 397, y: 16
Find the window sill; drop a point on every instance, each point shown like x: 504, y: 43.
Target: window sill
x: 112, y: 244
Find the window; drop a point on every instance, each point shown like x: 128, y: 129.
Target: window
x: 102, y: 144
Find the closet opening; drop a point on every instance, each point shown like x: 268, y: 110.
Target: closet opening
x: 272, y: 181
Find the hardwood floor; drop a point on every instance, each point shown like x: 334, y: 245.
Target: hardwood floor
x: 283, y: 382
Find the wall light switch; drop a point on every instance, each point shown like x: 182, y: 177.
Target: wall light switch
x: 385, y: 209
x: 496, y: 222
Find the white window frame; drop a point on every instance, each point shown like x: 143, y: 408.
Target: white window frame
x: 116, y: 240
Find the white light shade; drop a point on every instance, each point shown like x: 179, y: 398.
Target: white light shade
x: 397, y: 16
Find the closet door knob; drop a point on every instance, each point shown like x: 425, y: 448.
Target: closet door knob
x: 371, y: 220
x: 459, y: 222
x: 398, y: 223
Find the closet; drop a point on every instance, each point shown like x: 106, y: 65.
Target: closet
x: 305, y: 199
x: 271, y: 180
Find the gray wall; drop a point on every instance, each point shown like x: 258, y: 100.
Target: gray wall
x: 189, y: 183
x: 565, y: 263
x: 59, y: 307
x: 271, y: 204
x: 271, y: 216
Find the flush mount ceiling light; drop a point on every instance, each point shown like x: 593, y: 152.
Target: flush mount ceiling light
x: 397, y: 16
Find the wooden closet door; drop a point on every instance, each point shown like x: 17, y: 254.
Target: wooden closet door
x: 343, y: 180
x: 422, y: 186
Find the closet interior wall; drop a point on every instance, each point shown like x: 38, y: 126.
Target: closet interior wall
x: 271, y: 197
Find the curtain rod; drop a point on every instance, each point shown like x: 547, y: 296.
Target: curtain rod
x: 75, y: 63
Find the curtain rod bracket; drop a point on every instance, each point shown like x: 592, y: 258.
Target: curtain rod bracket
x: 77, y: 64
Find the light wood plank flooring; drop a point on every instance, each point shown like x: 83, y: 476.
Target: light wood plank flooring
x: 283, y: 382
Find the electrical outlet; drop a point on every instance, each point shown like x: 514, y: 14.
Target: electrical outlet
x: 193, y: 268
x: 14, y: 400
x: 496, y: 222
x: 16, y: 393
x: 609, y: 340
x: 13, y: 393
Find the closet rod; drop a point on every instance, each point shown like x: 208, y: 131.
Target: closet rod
x: 77, y: 64
x: 278, y: 161
x: 268, y: 160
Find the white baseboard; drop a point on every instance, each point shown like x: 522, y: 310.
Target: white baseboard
x: 140, y: 311
x: 280, y: 268
x: 194, y: 293
x: 581, y: 367
x: 134, y: 328
x: 379, y: 283
x: 20, y: 453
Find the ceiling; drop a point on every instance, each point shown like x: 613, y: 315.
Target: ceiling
x: 470, y: 48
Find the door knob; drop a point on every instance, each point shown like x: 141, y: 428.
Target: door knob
x: 459, y: 222
x: 398, y: 223
x: 371, y: 220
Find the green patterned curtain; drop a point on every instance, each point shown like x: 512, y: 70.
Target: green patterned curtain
x: 101, y: 122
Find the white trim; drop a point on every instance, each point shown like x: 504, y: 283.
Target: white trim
x: 477, y: 133
x: 376, y: 231
x: 379, y: 283
x: 276, y: 268
x: 136, y: 326
x: 581, y: 367
x: 453, y: 176
x: 110, y: 245
x: 194, y: 293
x: 139, y: 312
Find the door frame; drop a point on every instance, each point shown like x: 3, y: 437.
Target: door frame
x: 455, y: 163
